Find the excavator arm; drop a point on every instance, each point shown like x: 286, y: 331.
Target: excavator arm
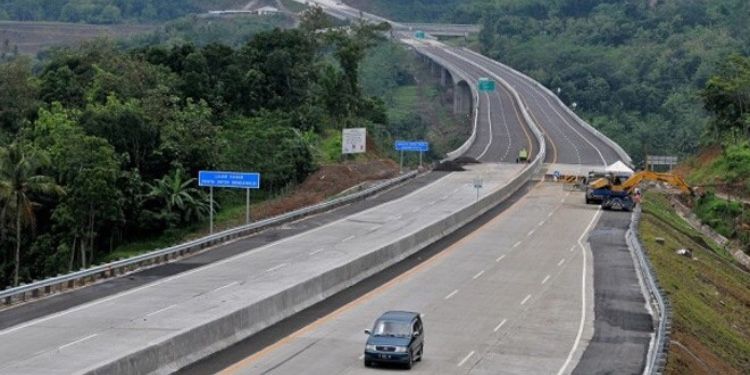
x: 669, y: 178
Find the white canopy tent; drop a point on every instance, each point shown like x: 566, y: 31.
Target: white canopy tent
x: 619, y: 168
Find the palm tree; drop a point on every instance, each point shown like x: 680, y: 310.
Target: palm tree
x: 18, y: 182
x: 179, y: 196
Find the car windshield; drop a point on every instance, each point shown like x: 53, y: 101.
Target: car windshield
x: 391, y: 328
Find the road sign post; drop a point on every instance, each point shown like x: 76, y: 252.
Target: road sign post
x: 414, y: 146
x: 232, y: 180
x: 477, y: 186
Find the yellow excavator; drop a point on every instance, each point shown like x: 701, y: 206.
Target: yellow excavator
x: 616, y: 194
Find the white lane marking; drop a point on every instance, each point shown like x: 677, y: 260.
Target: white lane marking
x: 347, y: 239
x: 500, y: 325
x: 225, y: 286
x: 517, y: 244
x: 398, y: 217
x: 316, y: 251
x: 161, y: 310
x: 453, y: 293
x: 277, y: 267
x: 560, y: 263
x: 526, y: 299
x: 531, y: 232
x: 478, y: 275
x: 541, y: 223
x: 208, y: 266
x: 375, y: 228
x: 562, y: 200
x: 362, y: 357
x: 77, y: 341
x: 550, y: 214
x: 583, y: 294
x: 545, y: 279
x: 500, y: 258
x: 465, y: 359
x: 489, y: 125
x: 447, y: 196
x: 416, y: 210
x: 572, y: 248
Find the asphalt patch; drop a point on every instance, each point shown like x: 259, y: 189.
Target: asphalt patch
x: 622, y: 325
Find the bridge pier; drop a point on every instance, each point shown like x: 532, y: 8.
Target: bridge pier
x: 462, y: 100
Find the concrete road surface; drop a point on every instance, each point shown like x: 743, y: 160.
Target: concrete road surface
x: 89, y: 335
x: 515, y: 296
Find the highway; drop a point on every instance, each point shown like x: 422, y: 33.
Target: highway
x: 516, y: 295
x: 505, y: 299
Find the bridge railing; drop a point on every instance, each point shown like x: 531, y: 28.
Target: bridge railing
x: 76, y: 279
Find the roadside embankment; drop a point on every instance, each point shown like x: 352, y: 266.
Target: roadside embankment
x: 709, y: 293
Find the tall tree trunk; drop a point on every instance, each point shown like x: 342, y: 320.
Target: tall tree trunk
x: 18, y: 243
x: 83, y: 252
x: 72, y: 254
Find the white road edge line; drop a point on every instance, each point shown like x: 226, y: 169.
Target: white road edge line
x: 77, y: 341
x: 583, y: 294
x: 478, y: 274
x: 500, y: 258
x: 526, y: 299
x: 500, y: 325
x: 225, y: 286
x: 465, y: 359
x: 545, y: 279
x: 489, y: 123
x: 453, y: 293
x: 161, y: 310
x: 277, y: 267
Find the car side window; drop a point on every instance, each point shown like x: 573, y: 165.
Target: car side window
x: 417, y: 326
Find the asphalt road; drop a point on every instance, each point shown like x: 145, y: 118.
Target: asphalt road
x: 514, y: 296
x: 97, y: 332
x: 623, y: 327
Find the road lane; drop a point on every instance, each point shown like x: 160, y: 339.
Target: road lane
x: 506, y: 317
x: 126, y: 322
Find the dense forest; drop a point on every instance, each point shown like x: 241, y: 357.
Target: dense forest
x: 105, y: 11
x: 635, y: 68
x: 100, y: 146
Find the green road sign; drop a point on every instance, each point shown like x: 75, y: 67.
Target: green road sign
x: 419, y: 35
x: 486, y: 84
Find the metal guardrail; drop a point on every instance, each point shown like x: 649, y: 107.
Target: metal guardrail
x: 656, y: 358
x: 76, y: 279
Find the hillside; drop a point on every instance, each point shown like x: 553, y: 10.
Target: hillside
x: 108, y: 11
x: 635, y: 70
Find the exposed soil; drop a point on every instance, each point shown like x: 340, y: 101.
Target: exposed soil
x: 705, y: 157
x: 32, y: 37
x: 326, y: 182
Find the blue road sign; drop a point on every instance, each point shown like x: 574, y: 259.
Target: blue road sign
x: 420, y: 146
x: 237, y: 180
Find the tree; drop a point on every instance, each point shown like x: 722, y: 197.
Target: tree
x: 19, y: 181
x: 181, y: 201
x: 18, y: 94
x: 727, y: 95
x: 314, y: 19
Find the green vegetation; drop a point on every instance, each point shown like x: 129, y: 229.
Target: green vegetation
x: 708, y: 292
x: 100, y: 145
x: 635, y: 68
x: 106, y: 11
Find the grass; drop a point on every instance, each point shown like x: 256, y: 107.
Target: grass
x: 710, y: 295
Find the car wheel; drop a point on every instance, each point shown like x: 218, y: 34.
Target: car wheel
x: 421, y: 353
x: 410, y: 363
